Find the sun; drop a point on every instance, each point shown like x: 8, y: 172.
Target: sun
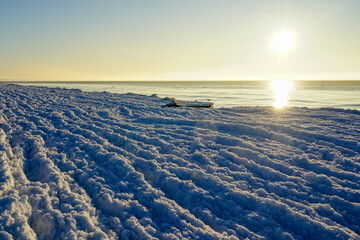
x: 283, y: 42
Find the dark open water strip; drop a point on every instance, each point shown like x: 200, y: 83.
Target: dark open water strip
x: 339, y: 94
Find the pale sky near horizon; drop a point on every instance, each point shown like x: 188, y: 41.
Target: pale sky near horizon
x: 178, y: 40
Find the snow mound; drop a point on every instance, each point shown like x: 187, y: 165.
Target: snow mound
x: 79, y: 165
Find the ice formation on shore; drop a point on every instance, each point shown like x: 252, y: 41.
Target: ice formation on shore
x: 107, y: 166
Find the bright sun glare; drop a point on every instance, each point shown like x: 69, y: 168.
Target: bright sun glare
x: 283, y: 42
x: 281, y: 89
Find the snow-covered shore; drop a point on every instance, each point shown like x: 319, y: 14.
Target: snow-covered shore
x: 77, y: 165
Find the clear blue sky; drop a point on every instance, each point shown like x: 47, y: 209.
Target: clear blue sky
x: 170, y: 39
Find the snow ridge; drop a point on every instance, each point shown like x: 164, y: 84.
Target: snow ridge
x: 79, y: 165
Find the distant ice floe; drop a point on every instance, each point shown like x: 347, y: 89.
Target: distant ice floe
x: 189, y: 104
x: 79, y: 165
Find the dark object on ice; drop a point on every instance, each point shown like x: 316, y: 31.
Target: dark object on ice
x: 174, y: 103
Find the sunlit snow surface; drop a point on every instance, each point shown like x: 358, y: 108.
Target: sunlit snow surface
x: 103, y: 165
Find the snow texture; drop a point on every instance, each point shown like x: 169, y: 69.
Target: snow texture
x: 79, y: 165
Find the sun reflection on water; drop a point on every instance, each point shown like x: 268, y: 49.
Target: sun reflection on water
x: 281, y: 89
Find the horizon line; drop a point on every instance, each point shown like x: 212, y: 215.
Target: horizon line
x: 157, y: 80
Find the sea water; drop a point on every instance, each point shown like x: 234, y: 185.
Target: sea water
x: 337, y: 94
